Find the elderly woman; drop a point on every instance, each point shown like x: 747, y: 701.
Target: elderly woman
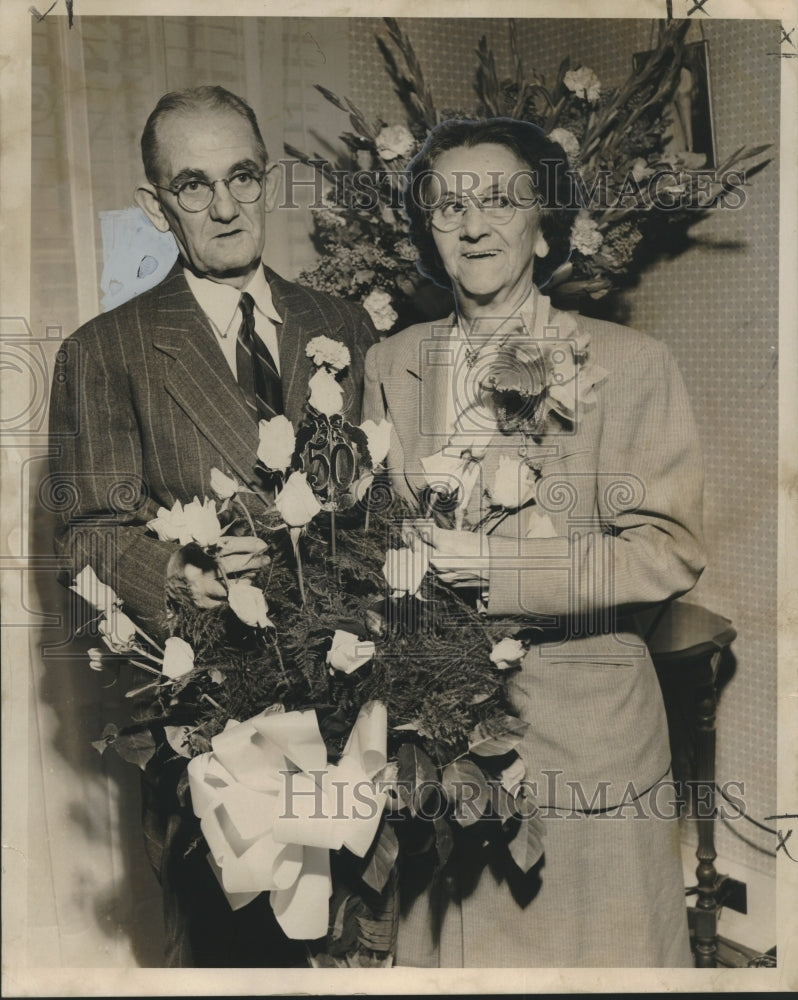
x: 569, y: 458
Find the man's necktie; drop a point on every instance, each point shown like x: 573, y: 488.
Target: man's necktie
x: 255, y: 368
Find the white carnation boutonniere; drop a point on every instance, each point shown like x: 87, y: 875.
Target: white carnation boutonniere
x: 328, y: 353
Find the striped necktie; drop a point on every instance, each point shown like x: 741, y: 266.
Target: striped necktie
x: 255, y: 368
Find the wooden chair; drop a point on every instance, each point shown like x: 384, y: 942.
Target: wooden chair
x: 687, y: 642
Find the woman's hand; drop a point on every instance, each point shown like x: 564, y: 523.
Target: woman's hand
x: 460, y: 558
x: 195, y: 576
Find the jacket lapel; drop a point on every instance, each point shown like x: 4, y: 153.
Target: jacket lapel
x: 417, y: 391
x: 293, y: 337
x: 199, y: 378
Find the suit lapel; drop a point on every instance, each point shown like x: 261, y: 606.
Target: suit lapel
x: 199, y: 378
x: 417, y: 393
x: 292, y: 308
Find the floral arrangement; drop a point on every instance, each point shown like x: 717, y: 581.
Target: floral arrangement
x: 337, y: 710
x: 639, y: 193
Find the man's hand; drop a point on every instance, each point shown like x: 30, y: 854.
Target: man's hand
x: 195, y: 576
x: 460, y: 558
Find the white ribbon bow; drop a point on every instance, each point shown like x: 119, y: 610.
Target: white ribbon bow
x: 271, y: 809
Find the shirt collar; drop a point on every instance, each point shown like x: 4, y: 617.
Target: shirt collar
x: 219, y: 302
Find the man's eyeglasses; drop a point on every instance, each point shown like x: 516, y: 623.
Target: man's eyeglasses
x: 195, y: 195
x: 498, y: 208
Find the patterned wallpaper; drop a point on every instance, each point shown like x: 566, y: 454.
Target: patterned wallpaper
x: 717, y: 308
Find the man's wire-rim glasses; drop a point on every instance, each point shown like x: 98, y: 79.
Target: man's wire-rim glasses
x: 195, y: 195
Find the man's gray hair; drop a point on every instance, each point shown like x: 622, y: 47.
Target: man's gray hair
x: 212, y: 98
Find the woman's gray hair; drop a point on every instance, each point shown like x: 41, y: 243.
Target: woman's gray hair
x: 548, y: 165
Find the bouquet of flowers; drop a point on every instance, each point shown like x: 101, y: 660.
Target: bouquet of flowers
x: 639, y: 195
x: 332, y: 713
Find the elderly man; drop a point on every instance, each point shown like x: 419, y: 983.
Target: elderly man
x: 150, y: 397
x: 154, y: 394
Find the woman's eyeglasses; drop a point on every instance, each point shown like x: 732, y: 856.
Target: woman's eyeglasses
x: 498, y: 209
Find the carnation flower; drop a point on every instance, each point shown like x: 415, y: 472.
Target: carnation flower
x: 584, y: 83
x: 331, y: 353
x: 348, y: 652
x: 178, y: 658
x: 223, y: 486
x: 507, y: 654
x: 296, y: 502
x: 378, y: 305
x: 567, y: 140
x: 276, y: 443
x: 379, y: 438
x: 585, y: 235
x: 393, y: 141
x: 511, y: 486
x: 326, y: 396
x: 249, y: 604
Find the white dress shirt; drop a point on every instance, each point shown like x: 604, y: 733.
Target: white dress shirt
x: 220, y: 303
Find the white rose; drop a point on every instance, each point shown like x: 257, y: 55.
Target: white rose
x: 326, y: 395
x: 585, y: 235
x: 393, y: 141
x: 276, y: 443
x: 405, y: 568
x: 507, y: 654
x: 511, y: 486
x: 118, y: 632
x: 89, y: 586
x: 296, y: 502
x: 584, y: 83
x: 348, y: 652
x: 326, y: 351
x: 169, y: 524
x: 379, y: 437
x: 178, y: 658
x: 223, y: 486
x: 567, y: 140
x: 378, y: 305
x: 249, y: 604
x: 201, y: 525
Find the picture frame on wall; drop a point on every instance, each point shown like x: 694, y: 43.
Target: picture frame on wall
x: 692, y: 126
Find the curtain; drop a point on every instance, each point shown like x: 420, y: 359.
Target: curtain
x: 92, y: 899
